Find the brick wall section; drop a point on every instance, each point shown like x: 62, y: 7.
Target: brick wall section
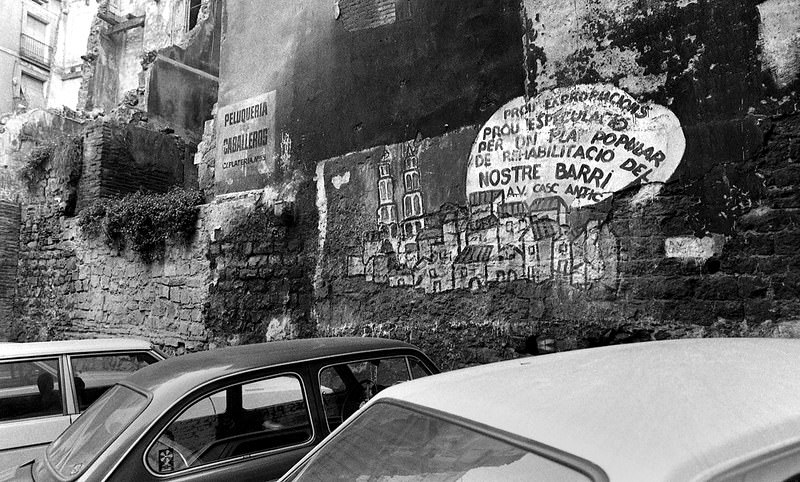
x: 139, y: 159
x: 69, y: 285
x: 119, y: 160
x: 363, y: 14
x: 9, y: 251
x: 95, y: 143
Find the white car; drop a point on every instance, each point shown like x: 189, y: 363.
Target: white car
x: 684, y: 410
x: 44, y: 386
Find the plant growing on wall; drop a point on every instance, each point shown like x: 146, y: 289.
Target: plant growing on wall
x: 60, y: 159
x: 144, y: 221
x: 35, y: 164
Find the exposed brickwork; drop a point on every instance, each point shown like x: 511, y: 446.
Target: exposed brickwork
x: 363, y: 14
x: 96, y: 141
x: 9, y: 251
x: 124, y: 159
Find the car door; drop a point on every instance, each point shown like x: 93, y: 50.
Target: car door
x: 33, y: 407
x: 243, y: 428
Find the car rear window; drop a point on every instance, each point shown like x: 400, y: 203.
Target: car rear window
x: 388, y: 442
x: 72, y: 452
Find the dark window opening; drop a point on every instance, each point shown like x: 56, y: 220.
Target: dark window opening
x: 193, y: 12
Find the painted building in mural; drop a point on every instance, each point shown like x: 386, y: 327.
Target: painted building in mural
x: 533, y: 168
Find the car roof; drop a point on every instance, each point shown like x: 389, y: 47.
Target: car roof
x: 43, y: 348
x: 651, y: 411
x: 175, y: 376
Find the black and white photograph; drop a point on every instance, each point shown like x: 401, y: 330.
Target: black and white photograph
x: 400, y: 240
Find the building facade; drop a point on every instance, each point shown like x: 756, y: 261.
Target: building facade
x: 41, y: 45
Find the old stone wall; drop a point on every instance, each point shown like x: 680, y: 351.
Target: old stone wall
x: 261, y: 251
x: 57, y: 281
x: 75, y: 286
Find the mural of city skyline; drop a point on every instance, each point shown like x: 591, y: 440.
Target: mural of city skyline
x: 486, y: 241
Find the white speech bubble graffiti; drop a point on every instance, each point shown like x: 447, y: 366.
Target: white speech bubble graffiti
x: 581, y: 144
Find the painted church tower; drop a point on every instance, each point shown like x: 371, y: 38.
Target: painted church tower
x: 387, y: 209
x: 413, y: 207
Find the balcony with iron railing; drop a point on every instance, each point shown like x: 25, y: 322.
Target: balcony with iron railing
x: 35, y: 50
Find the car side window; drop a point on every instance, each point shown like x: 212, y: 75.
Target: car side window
x: 30, y: 389
x: 239, y: 420
x: 347, y: 386
x: 94, y: 374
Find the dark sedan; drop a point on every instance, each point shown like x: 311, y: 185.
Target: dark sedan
x: 233, y: 414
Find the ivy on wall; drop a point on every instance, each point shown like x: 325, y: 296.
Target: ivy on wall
x: 35, y: 163
x: 144, y: 221
x: 60, y: 160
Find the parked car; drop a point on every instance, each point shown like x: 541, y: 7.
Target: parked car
x: 241, y: 413
x: 691, y: 410
x: 44, y: 386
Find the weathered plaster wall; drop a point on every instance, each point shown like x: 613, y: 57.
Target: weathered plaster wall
x: 439, y: 66
x: 19, y: 134
x: 72, y: 35
x: 119, y: 66
x: 171, y: 103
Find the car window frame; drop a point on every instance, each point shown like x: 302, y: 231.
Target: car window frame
x: 201, y: 393
x: 591, y: 470
x: 65, y: 400
x: 320, y: 369
x: 75, y: 406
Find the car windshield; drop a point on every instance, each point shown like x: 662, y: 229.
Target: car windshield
x: 72, y: 452
x: 390, y: 443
